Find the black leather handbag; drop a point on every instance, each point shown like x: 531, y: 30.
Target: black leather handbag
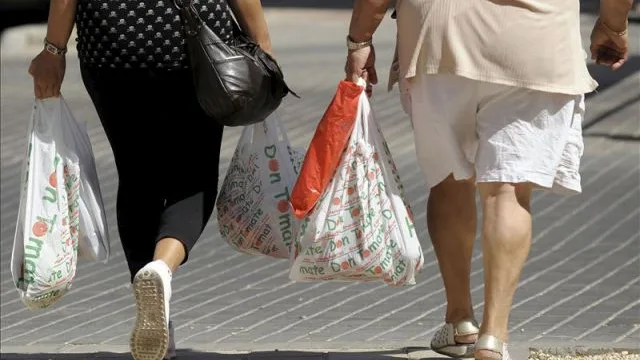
x: 237, y: 83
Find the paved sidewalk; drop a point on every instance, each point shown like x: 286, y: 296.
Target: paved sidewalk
x: 580, y: 286
x: 214, y: 353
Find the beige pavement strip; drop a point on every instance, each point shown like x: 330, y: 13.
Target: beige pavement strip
x: 613, y: 97
x: 189, y: 287
x: 385, y: 299
x: 124, y: 297
x: 260, y: 308
x: 104, y: 270
x: 264, y: 321
x: 631, y: 331
x: 262, y: 280
x: 44, y: 313
x: 608, y: 319
x: 94, y: 319
x: 556, y: 265
x: 244, y: 300
x: 75, y: 314
x: 540, y: 256
x: 590, y: 306
x: 592, y: 244
x: 557, y: 245
x: 319, y: 313
x: 577, y: 293
x: 555, y: 285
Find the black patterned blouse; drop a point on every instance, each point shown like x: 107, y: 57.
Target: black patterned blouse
x: 133, y: 34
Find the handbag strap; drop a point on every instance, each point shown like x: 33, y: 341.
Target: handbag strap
x: 194, y: 22
x: 190, y: 18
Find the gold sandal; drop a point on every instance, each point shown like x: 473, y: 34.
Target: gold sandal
x: 444, y: 340
x: 493, y: 344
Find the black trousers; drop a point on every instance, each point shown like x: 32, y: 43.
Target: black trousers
x: 166, y: 152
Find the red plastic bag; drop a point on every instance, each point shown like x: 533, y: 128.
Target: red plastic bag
x: 326, y: 148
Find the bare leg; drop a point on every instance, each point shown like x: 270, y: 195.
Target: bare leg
x: 451, y: 219
x: 171, y: 251
x: 506, y: 241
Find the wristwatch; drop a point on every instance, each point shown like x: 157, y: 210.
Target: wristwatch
x: 353, y: 45
x: 50, y: 47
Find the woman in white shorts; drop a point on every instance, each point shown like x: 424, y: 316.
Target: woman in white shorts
x: 495, y: 91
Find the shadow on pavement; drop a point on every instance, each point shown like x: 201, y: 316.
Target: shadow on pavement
x: 197, y: 355
x: 607, y: 78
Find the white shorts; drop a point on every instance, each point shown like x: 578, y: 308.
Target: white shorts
x: 497, y: 133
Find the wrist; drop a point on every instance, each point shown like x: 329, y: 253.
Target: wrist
x: 618, y: 28
x: 355, y: 37
x: 54, y: 48
x: 358, y: 42
x: 56, y: 41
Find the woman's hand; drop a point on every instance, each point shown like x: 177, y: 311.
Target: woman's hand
x: 361, y: 64
x: 608, y: 47
x: 47, y: 68
x: 47, y: 71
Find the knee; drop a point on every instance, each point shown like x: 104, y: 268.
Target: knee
x: 519, y: 192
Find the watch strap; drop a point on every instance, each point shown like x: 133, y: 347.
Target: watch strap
x: 51, y: 48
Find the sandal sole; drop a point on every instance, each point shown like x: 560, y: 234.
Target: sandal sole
x: 150, y: 335
x: 456, y: 351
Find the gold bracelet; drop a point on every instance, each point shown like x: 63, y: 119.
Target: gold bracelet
x: 353, y: 45
x: 617, y: 33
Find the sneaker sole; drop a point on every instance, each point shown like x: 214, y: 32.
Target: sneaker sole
x: 150, y: 336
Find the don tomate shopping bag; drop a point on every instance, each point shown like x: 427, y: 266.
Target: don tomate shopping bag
x: 60, y: 207
x: 360, y: 227
x: 253, y: 206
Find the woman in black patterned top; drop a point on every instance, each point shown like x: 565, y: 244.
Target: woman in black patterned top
x: 135, y: 69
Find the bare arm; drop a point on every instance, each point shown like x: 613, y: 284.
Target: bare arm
x: 46, y: 68
x: 61, y: 19
x: 250, y: 15
x: 614, y: 13
x: 365, y: 18
x: 610, y: 38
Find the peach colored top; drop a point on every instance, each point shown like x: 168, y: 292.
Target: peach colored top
x: 533, y: 44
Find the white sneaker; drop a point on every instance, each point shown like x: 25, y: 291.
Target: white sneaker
x: 152, y: 290
x: 171, y: 350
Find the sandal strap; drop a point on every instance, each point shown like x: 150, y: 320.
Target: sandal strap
x: 466, y: 327
x: 491, y: 343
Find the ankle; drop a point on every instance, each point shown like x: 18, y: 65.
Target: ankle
x: 455, y: 316
x: 497, y: 332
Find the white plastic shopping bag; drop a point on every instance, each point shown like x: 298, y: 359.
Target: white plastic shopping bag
x: 253, y: 204
x: 361, y: 228
x: 48, y: 229
x: 94, y: 241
